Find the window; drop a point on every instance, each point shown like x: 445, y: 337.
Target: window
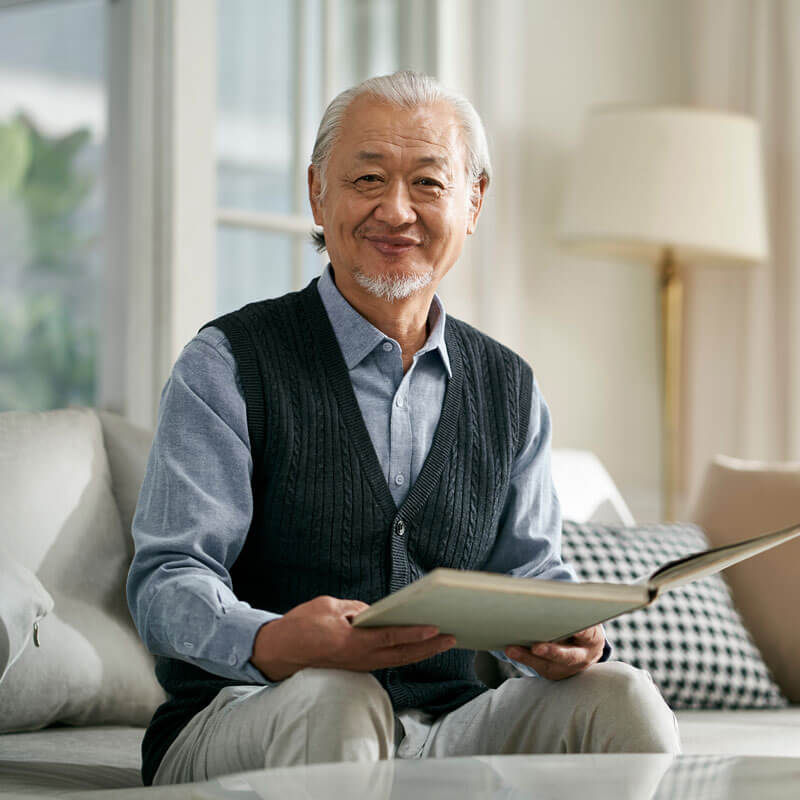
x: 52, y: 140
x: 112, y: 141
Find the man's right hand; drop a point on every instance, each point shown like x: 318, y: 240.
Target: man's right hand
x: 319, y: 634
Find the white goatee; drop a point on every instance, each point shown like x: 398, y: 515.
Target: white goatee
x: 392, y: 287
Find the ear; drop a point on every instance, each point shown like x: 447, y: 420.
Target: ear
x: 314, y: 189
x: 477, y: 193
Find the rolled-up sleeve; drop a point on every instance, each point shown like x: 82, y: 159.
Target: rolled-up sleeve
x: 193, y: 516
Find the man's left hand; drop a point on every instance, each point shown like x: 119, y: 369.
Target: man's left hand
x: 558, y: 660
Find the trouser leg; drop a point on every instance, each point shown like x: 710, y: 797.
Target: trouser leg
x: 316, y: 716
x: 609, y: 708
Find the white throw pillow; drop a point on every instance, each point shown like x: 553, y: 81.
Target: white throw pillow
x: 89, y: 669
x: 60, y: 520
x: 586, y: 491
x: 23, y: 604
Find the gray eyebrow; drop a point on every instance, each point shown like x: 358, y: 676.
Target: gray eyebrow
x: 365, y: 155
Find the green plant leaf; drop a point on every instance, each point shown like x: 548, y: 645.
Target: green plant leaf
x: 15, y: 154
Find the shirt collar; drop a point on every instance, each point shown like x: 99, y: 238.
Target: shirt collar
x: 358, y: 337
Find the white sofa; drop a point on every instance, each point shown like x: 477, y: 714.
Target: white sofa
x: 73, y: 709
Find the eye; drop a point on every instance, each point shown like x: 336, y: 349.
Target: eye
x: 368, y: 178
x: 430, y: 182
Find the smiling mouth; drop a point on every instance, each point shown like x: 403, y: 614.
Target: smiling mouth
x: 392, y: 245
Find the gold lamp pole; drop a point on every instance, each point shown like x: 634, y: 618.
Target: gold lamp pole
x: 668, y: 184
x: 671, y: 343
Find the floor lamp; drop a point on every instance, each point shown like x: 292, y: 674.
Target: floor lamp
x: 671, y: 186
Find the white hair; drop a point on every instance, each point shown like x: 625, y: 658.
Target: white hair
x: 405, y: 89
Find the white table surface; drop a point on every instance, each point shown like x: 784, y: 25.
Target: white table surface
x: 545, y: 777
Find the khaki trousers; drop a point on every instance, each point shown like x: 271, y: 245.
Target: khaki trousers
x: 322, y: 715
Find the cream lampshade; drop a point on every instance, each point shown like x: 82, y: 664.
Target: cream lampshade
x: 670, y: 186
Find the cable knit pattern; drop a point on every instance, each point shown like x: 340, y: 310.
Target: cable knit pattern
x: 324, y: 520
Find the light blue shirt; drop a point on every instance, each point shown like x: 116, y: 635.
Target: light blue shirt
x: 196, y: 503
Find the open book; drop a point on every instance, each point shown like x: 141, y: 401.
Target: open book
x: 485, y: 611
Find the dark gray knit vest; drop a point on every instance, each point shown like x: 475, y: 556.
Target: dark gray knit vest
x: 324, y: 520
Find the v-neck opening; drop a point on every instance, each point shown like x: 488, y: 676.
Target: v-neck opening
x: 443, y: 436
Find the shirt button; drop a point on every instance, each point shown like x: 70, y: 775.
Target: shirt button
x: 400, y: 402
x: 232, y: 659
x: 387, y: 346
x: 399, y: 480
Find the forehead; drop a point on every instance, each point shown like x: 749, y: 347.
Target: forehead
x: 375, y: 127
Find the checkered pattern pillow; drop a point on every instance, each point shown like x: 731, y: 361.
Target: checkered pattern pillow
x: 691, y: 639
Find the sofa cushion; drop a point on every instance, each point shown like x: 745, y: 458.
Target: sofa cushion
x: 70, y: 761
x: 59, y: 515
x: 61, y: 522
x: 741, y: 733
x: 23, y: 603
x: 128, y: 448
x: 691, y: 640
x: 744, y: 498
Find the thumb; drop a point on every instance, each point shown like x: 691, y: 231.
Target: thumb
x: 351, y: 608
x: 587, y: 636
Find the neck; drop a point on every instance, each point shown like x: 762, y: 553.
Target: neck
x: 405, y: 321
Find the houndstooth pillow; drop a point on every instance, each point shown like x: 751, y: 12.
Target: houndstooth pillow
x: 691, y: 639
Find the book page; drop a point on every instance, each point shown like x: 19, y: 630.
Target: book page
x: 694, y: 567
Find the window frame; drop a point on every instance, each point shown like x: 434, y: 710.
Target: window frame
x: 160, y: 243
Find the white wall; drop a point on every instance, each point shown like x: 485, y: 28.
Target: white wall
x: 589, y: 328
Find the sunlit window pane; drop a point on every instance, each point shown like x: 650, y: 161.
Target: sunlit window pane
x: 52, y: 134
x: 255, y: 104
x: 313, y: 262
x: 251, y: 265
x: 254, y: 265
x: 367, y: 33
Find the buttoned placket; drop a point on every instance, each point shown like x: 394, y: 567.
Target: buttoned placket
x: 400, y: 433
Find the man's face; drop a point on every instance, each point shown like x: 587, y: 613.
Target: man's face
x: 397, y: 199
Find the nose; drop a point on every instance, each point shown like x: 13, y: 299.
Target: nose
x: 395, y: 207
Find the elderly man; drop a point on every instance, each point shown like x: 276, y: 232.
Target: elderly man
x: 317, y: 451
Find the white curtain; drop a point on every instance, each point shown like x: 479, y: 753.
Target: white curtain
x: 743, y: 325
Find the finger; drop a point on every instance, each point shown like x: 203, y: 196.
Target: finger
x: 351, y: 608
x: 557, y: 653
x: 551, y: 656
x: 394, y: 635
x: 587, y: 637
x: 364, y: 659
x: 551, y: 670
x: 400, y: 655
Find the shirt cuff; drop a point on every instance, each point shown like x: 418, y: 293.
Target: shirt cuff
x: 606, y: 652
x: 523, y: 669
x: 230, y: 648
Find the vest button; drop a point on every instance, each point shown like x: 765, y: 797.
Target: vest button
x: 400, y: 527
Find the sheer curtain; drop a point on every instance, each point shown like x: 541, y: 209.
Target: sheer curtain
x: 743, y: 325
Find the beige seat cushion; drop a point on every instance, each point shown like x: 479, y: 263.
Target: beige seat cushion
x: 744, y: 498
x: 741, y: 733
